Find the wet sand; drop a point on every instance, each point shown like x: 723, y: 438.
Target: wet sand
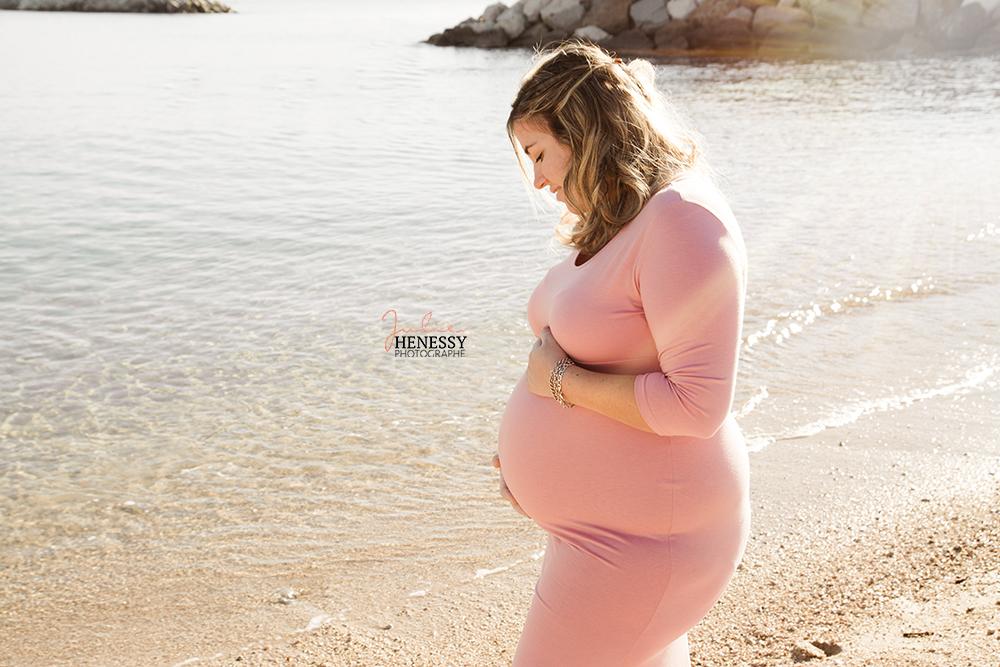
x: 875, y: 543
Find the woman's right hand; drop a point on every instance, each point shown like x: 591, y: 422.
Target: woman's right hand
x: 504, y: 491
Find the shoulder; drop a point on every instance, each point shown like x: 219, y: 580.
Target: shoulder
x: 690, y: 215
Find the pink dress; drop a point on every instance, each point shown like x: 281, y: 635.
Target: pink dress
x: 645, y: 530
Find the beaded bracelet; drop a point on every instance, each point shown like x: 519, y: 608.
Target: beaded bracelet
x: 555, y: 381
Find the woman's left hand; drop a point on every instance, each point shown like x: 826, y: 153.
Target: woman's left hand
x: 544, y: 355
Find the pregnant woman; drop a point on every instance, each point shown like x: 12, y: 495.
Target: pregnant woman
x: 618, y: 439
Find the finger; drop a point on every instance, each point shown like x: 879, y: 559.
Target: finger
x: 506, y: 495
x: 505, y: 492
x: 517, y: 506
x: 509, y: 497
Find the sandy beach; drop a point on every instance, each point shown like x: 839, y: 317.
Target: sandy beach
x: 210, y: 457
x: 873, y: 544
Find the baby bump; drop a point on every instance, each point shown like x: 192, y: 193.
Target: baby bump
x: 573, y: 465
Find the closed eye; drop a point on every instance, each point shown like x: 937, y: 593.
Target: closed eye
x: 539, y: 157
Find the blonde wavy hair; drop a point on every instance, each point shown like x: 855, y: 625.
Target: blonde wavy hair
x: 627, y: 141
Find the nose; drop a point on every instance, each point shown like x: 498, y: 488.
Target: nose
x: 539, y: 181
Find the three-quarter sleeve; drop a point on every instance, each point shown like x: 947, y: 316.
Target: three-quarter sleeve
x: 690, y: 274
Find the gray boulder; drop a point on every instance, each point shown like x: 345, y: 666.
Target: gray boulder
x: 673, y: 36
x: 710, y: 10
x: 781, y: 30
x: 141, y: 6
x: 784, y: 19
x: 741, y: 14
x: 648, y: 15
x: 891, y: 15
x: 512, y: 21
x: 724, y: 34
x: 562, y: 14
x: 834, y: 13
x: 989, y: 41
x: 961, y: 28
x: 538, y: 36
x: 907, y: 46
x: 633, y: 38
x: 608, y: 15
x: 471, y: 32
x: 680, y: 9
x: 591, y: 33
x: 932, y: 12
x: 992, y: 7
x: 491, y: 13
x: 531, y: 9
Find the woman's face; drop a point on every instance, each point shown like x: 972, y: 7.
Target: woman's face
x: 550, y: 158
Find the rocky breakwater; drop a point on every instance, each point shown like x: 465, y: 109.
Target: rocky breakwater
x: 140, y: 6
x: 742, y: 28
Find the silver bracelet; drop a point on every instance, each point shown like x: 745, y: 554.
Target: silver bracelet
x: 555, y: 381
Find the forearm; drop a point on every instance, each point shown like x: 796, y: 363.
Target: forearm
x: 610, y: 394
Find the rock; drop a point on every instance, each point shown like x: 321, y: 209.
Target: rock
x: 804, y: 650
x: 741, y: 14
x: 828, y: 648
x: 932, y: 12
x: 725, y: 33
x: 710, y: 10
x: 891, y: 15
x: 68, y: 5
x: 962, y: 28
x: 531, y: 35
x: 591, y: 33
x: 287, y: 595
x: 531, y: 9
x: 512, y: 21
x: 562, y: 14
x: 131, y: 506
x: 834, y: 13
x: 491, y: 13
x: 769, y: 19
x: 782, y: 31
x: 475, y: 33
x: 633, y: 38
x: 608, y: 15
x: 478, y: 25
x: 648, y: 15
x: 891, y: 28
x: 538, y: 36
x: 680, y: 9
x: 989, y: 41
x: 673, y: 35
x: 992, y: 7
x: 143, y: 6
